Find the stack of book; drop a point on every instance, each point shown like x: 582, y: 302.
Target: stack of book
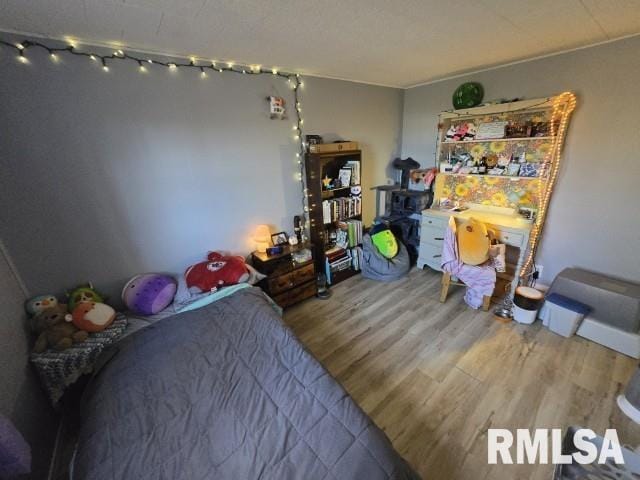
x: 354, y: 233
x: 341, y: 209
x: 338, y: 259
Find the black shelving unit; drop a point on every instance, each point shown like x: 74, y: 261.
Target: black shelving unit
x: 319, y: 166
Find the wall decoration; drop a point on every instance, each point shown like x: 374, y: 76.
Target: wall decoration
x: 204, y: 67
x: 276, y: 108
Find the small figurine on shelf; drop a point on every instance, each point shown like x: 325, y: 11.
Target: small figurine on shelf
x: 482, y: 166
x: 461, y: 131
x: 470, y: 134
x: 451, y: 133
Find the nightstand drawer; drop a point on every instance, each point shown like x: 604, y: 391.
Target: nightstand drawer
x: 296, y: 294
x: 289, y: 280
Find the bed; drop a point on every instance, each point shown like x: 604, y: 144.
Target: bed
x: 225, y: 391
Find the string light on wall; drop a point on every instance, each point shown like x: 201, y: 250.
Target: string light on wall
x: 563, y: 106
x: 294, y: 80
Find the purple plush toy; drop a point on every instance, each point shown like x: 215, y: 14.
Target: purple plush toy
x: 149, y: 293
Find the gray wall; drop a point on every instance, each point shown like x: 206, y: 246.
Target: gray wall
x: 594, y: 219
x: 21, y: 398
x: 108, y: 174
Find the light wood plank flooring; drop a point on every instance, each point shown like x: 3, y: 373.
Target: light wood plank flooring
x: 436, y: 376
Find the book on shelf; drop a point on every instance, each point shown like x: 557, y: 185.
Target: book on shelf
x: 341, y: 208
x: 354, y: 165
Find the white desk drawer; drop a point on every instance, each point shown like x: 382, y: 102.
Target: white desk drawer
x: 510, y: 238
x: 437, y: 222
x: 431, y: 253
x: 435, y: 236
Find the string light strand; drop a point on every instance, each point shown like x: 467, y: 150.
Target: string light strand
x: 563, y: 106
x: 201, y: 66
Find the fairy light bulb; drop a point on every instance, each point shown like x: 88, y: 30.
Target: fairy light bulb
x: 149, y: 61
x: 203, y: 74
x: 105, y: 67
x: 172, y: 66
x: 274, y: 71
x: 53, y: 56
x: 230, y: 64
x: 19, y: 46
x: 22, y: 58
x: 141, y: 67
x: 92, y: 57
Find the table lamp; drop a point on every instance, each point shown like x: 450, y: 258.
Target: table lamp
x: 261, y: 237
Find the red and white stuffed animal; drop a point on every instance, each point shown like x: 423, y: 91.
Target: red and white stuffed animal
x: 219, y: 270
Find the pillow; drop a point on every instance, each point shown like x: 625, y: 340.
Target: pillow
x: 149, y: 293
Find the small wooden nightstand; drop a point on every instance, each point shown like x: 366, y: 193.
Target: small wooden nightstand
x: 287, y: 282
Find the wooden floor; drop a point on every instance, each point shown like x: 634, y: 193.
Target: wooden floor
x: 436, y: 376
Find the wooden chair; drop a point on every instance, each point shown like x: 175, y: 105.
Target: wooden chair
x: 446, y: 282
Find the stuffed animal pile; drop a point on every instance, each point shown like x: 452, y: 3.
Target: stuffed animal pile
x: 59, y: 326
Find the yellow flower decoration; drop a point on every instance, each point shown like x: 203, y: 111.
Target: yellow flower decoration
x: 533, y: 185
x: 491, y: 180
x: 472, y: 182
x: 543, y: 150
x: 499, y: 199
x: 446, y: 191
x: 497, y: 147
x: 486, y: 202
x: 477, y: 150
x: 462, y: 190
x: 525, y: 200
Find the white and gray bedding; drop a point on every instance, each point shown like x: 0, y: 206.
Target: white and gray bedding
x: 225, y: 392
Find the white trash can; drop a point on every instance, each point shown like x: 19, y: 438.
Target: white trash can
x: 526, y: 303
x: 563, y: 315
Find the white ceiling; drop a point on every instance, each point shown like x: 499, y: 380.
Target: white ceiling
x: 388, y: 42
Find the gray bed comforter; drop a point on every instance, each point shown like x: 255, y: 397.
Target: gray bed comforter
x: 225, y: 392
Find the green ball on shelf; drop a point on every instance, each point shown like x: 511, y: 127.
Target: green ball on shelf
x: 468, y: 95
